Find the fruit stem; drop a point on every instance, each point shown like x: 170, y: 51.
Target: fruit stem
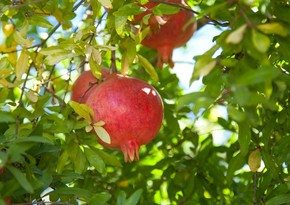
x: 131, y: 150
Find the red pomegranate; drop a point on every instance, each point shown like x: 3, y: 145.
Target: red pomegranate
x: 84, y: 85
x: 132, y: 111
x: 167, y: 32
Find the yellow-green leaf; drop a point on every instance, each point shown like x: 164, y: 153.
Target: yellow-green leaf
x: 31, y: 96
x: 260, y: 41
x: 22, y: 64
x: 106, y: 3
x: 148, y: 67
x: 82, y: 110
x: 273, y: 28
x: 20, y: 40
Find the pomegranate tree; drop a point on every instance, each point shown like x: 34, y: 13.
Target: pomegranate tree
x: 84, y: 85
x: 167, y: 32
x: 132, y: 111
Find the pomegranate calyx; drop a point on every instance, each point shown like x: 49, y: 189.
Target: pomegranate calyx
x: 130, y: 150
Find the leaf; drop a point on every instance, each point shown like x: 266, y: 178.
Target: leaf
x: 148, y: 67
x: 260, y: 41
x: 161, y: 9
x: 80, y: 161
x: 39, y: 20
x: 120, y: 23
x: 106, y: 3
x: 62, y: 161
x: 73, y: 191
x: 20, y: 177
x: 121, y: 199
x: 21, y: 40
x: 128, y: 10
x: 128, y: 55
x: 22, y: 64
x: 273, y: 28
x: 236, y: 115
x: 57, y: 57
x: 235, y: 163
x: 102, y: 134
x: 6, y: 117
x: 108, y: 158
x: 100, y: 198
x: 3, y: 159
x: 34, y: 139
x: 82, y: 110
x: 280, y: 199
x: 203, y: 66
x: 134, y: 198
x: 257, y: 76
x: 237, y: 35
x: 244, y: 137
x: 31, y: 96
x: 51, y: 50
x: 95, y: 160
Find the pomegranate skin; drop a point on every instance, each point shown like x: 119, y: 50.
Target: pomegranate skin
x: 167, y: 32
x: 84, y: 85
x: 132, y: 111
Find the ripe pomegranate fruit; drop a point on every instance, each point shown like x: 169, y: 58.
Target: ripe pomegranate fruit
x: 167, y: 32
x: 132, y: 111
x: 84, y: 85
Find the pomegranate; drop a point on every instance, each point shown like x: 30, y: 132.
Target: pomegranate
x: 167, y: 32
x: 132, y: 111
x: 84, y: 85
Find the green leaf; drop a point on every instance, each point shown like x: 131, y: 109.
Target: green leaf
x: 74, y: 191
x: 108, y: 158
x: 80, y: 161
x: 57, y: 57
x: 120, y: 23
x: 39, y: 20
x: 3, y: 159
x: 235, y: 163
x: 134, y: 198
x: 36, y: 139
x: 82, y: 110
x: 203, y: 66
x: 161, y: 9
x: 236, y: 115
x: 62, y: 161
x: 121, y: 198
x: 100, y: 198
x: 260, y: 41
x: 128, y: 55
x: 148, y: 67
x: 262, y: 74
x: 273, y: 28
x: 6, y: 117
x: 128, y: 10
x: 95, y: 160
x: 244, y: 137
x: 21, y: 178
x: 280, y: 199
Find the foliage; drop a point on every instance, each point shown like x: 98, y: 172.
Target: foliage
x: 45, y: 150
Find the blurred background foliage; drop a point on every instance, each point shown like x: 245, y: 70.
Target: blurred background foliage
x: 227, y: 143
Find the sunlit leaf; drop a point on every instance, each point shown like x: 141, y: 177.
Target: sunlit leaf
x: 148, y: 67
x: 22, y: 64
x: 260, y: 41
x: 273, y: 28
x: 106, y: 3
x: 237, y: 35
x: 102, y: 134
x: 82, y: 110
